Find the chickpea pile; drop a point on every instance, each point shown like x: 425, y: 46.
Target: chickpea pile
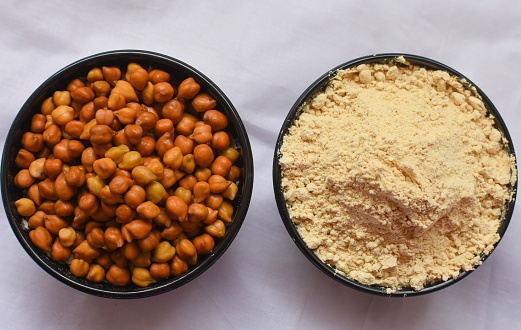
x: 128, y: 175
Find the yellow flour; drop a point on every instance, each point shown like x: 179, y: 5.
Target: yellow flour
x: 395, y: 176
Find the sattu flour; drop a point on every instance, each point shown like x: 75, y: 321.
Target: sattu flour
x: 395, y: 175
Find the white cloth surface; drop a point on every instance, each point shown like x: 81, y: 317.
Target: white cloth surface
x: 263, y: 55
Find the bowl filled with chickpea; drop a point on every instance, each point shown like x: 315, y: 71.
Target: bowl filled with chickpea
x: 127, y: 174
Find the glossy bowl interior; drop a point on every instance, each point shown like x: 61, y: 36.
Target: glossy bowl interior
x: 179, y: 71
x: 318, y: 86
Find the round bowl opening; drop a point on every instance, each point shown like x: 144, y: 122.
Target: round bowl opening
x: 319, y: 86
x: 120, y: 58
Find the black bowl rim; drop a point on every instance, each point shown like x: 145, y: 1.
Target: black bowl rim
x: 294, y: 112
x: 127, y: 55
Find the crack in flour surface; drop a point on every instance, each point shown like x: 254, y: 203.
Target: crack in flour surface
x: 395, y: 175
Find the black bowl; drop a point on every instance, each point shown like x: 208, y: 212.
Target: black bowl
x: 177, y: 69
x: 318, y: 86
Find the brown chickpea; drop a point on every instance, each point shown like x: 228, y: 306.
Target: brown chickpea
x: 231, y: 191
x: 204, y: 244
x: 155, y: 192
x: 188, y: 182
x: 142, y: 175
x: 176, y: 208
x: 34, y: 194
x: 156, y: 166
x: 173, y: 158
x: 96, y: 238
x: 32, y: 142
x: 142, y: 260
x: 125, y: 89
x: 87, y: 158
x: 96, y: 273
x: 172, y: 232
x: 38, y: 123
x: 67, y: 236
x: 101, y: 134
x: 135, y: 196
x: 160, y: 270
x: 169, y: 178
x: 163, y: 144
x: 147, y: 94
x: 221, y: 166
x: 216, y: 229
x: 188, y: 89
x: 118, y: 258
x: 63, y: 208
x: 178, y: 266
x: 83, y: 94
x: 137, y: 229
x: 203, y: 155
x: 47, y: 207
x: 94, y: 74
x: 231, y: 153
x: 220, y: 140
x: 117, y: 153
x: 25, y: 207
x: 216, y: 119
x: 163, y: 92
x: 124, y: 213
x: 61, y: 98
x: 197, y: 212
x: 133, y: 133
x: 60, y: 252
x: 74, y: 128
x: 108, y: 197
x: 79, y: 267
x: 87, y: 112
x: 146, y: 146
x: 185, y: 249
x: 218, y: 184
x: 101, y: 88
x: 234, y: 174
x: 148, y: 210
x: 130, y: 160
x: 62, y: 114
x: 147, y: 120
x: 52, y: 167
x: 104, y: 167
x: 116, y: 101
x: 173, y: 110
x: 85, y: 251
x: 54, y: 223
x: 104, y: 259
x: 225, y: 211
x: 157, y: 76
x: 104, y: 116
x: 185, y: 126
x: 111, y: 74
x: 63, y: 190
x: 118, y: 276
x: 75, y: 83
x: 149, y: 242
x: 47, y: 106
x: 75, y: 176
x: 202, y: 173
x: 163, y: 126
x: 126, y: 115
x: 139, y: 78
x: 188, y: 164
x: 184, y: 194
x: 141, y: 277
x: 201, y: 191
x: 36, y: 220
x: 203, y: 102
x: 120, y: 184
x: 214, y: 201
x: 163, y: 252
x: 88, y: 203
x: 41, y: 237
x: 202, y: 134
x: 23, y: 179
x: 109, y: 210
x: 24, y: 158
x: 47, y: 190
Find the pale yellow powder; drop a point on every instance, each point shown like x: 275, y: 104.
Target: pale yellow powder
x: 395, y: 176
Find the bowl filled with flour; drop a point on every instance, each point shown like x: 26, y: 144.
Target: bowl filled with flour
x: 394, y: 174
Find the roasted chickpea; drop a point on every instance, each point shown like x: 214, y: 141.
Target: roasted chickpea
x: 178, y: 266
x: 216, y: 229
x: 24, y: 158
x: 79, y: 267
x: 117, y: 275
x: 163, y: 144
x: 135, y: 196
x: 67, y: 236
x: 61, y: 98
x: 157, y: 76
x: 185, y: 126
x: 59, y: 252
x: 176, y: 208
x: 111, y: 74
x: 160, y: 270
x: 32, y: 142
x: 220, y: 140
x: 38, y: 123
x: 203, y: 102
x: 23, y: 179
x: 146, y: 146
x: 25, y: 207
x: 203, y: 155
x: 202, y: 134
x: 173, y: 110
x: 204, y: 244
x: 96, y: 273
x: 188, y: 89
x: 149, y: 242
x: 83, y: 94
x: 141, y: 277
x: 221, y: 166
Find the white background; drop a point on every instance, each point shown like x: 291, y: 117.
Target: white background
x: 263, y: 55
